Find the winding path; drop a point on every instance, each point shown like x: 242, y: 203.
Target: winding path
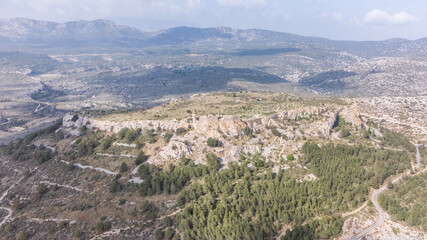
x: 5, y: 208
x: 120, y: 155
x: 90, y: 167
x: 7, y: 216
x: 355, y: 211
x: 382, y: 214
x: 118, y: 230
x: 418, y: 157
x: 63, y: 186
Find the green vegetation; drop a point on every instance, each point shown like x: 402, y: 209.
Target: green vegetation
x: 87, y: 145
x: 275, y: 132
x: 168, y: 135
x: 106, y: 142
x: 356, y: 165
x: 213, y: 142
x: 102, y: 226
x: 137, y: 136
x: 244, y: 200
x: 46, y: 92
x: 23, y: 149
x: 129, y: 135
x: 170, y: 180
x: 180, y: 131
x: 243, y: 203
x: 406, y: 201
x: 141, y: 158
x: 115, y: 185
x: 123, y: 167
x: 396, y: 140
x: 344, y: 132
x: 247, y: 131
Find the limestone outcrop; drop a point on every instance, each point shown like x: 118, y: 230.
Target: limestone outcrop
x: 296, y: 124
x: 351, y: 114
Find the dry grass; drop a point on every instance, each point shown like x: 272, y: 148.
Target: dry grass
x: 244, y: 104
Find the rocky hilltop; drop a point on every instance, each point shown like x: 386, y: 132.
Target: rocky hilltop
x: 149, y: 173
x: 294, y: 124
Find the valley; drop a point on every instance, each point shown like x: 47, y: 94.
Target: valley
x: 149, y: 173
x: 110, y: 132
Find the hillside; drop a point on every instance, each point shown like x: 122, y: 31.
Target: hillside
x: 21, y: 33
x: 50, y: 68
x: 257, y: 165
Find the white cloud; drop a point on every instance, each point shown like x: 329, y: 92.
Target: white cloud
x: 193, y: 3
x: 380, y: 17
x: 86, y: 8
x: 174, y: 6
x: 241, y: 3
x: 356, y: 21
x: 336, y: 16
x: 59, y: 11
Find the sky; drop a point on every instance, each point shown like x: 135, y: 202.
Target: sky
x: 333, y: 19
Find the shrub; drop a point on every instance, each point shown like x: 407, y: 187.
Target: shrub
x: 122, y: 133
x: 115, y: 186
x: 159, y: 234
x: 148, y: 136
x: 169, y: 233
x: 168, y: 136
x: 77, y: 234
x: 102, y: 226
x: 247, y: 131
x: 62, y: 224
x: 180, y: 131
x: 213, y: 161
x: 167, y: 221
x: 83, y: 130
x: 140, y: 158
x: 290, y: 157
x: 344, y: 133
x: 131, y: 135
x: 123, y: 167
x: 212, y: 142
x: 106, y: 142
x: 275, y: 132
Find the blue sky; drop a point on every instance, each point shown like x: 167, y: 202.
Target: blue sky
x: 334, y: 19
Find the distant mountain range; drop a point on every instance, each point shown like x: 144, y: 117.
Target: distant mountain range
x: 21, y: 33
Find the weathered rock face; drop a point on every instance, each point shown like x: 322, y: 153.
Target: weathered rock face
x: 317, y: 129
x: 75, y: 120
x: 217, y: 126
x: 213, y: 126
x: 110, y: 126
x: 351, y: 114
x: 294, y: 124
x: 306, y: 112
x: 172, y: 152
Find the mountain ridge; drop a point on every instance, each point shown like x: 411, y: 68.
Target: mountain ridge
x: 29, y: 33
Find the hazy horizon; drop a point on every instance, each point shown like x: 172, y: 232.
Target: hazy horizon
x: 157, y: 26
x: 332, y: 19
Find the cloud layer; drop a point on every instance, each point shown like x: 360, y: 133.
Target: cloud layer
x: 335, y: 19
x: 241, y: 3
x: 380, y: 17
